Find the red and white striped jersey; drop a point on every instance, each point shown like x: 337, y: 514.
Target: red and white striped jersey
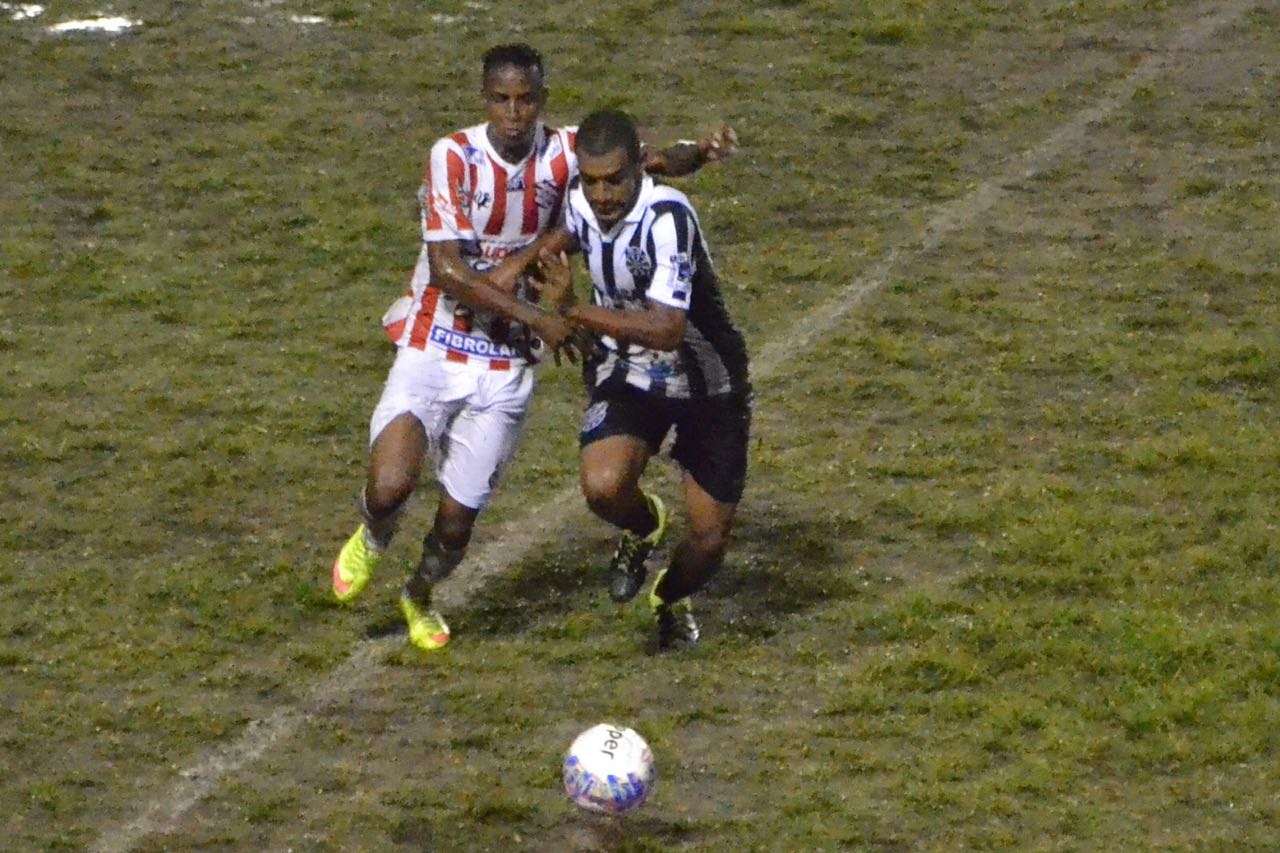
x: 472, y: 195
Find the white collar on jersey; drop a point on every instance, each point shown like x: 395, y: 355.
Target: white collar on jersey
x: 579, y: 201
x: 539, y: 143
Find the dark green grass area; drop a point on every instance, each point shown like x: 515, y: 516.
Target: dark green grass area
x: 1006, y: 571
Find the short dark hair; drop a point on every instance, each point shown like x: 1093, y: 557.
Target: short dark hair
x: 519, y: 55
x: 608, y: 130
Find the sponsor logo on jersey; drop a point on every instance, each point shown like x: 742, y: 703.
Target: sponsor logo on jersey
x: 638, y: 263
x: 470, y: 344
x: 482, y: 200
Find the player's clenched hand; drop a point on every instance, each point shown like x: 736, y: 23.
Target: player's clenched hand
x: 578, y: 346
x: 556, y: 279
x: 718, y: 145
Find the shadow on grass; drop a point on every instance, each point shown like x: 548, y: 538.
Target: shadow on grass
x: 644, y: 831
x: 388, y: 623
x: 779, y: 563
x: 582, y: 832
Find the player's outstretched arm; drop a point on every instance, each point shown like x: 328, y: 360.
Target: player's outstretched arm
x: 659, y: 327
x: 687, y: 156
x: 454, y: 276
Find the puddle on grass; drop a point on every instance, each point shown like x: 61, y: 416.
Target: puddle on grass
x: 95, y: 25
x: 21, y: 11
x: 117, y: 24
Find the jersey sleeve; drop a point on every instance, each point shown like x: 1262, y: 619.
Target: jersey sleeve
x: 564, y: 171
x: 445, y: 195
x: 673, y: 233
x: 571, y: 219
x: 570, y: 134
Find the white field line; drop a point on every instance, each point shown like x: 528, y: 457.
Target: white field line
x: 517, y: 538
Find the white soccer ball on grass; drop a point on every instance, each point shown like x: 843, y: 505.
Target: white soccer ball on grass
x: 609, y: 769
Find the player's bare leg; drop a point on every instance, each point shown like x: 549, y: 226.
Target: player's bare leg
x: 696, y: 559
x: 395, y: 462
x: 610, y: 476
x: 611, y: 470
x: 442, y: 550
x: 443, y: 547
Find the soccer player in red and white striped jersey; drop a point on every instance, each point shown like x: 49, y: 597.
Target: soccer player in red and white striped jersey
x: 476, y: 198
x: 467, y: 332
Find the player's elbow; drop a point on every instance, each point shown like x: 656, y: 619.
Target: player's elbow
x: 449, y: 273
x: 667, y: 343
x: 667, y: 337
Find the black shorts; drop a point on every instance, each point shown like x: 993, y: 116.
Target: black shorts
x: 711, y: 432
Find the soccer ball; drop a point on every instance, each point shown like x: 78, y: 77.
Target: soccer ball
x: 609, y: 769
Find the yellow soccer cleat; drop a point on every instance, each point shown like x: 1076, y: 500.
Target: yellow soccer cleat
x: 427, y: 629
x: 354, y: 567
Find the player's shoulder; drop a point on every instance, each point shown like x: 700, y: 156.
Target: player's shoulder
x: 667, y: 199
x: 568, y: 134
x: 557, y: 142
x: 577, y: 199
x: 466, y: 142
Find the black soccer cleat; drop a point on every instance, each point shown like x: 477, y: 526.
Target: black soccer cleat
x: 626, y: 569
x: 676, y: 625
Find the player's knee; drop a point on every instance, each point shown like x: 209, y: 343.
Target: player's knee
x: 386, y: 490
x: 603, y: 488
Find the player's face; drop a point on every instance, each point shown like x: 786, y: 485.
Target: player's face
x: 611, y: 182
x: 513, y: 98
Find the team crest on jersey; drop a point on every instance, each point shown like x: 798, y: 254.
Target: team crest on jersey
x: 482, y: 200
x: 516, y: 184
x: 660, y: 370
x: 638, y: 263
x: 473, y: 155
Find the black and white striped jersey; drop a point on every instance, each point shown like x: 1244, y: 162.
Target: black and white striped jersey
x: 658, y: 252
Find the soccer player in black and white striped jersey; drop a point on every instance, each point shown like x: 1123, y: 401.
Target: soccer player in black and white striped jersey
x: 669, y: 357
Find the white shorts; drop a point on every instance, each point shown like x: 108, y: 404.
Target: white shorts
x: 472, y: 415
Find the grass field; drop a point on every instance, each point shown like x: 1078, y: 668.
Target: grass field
x: 1006, y: 573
